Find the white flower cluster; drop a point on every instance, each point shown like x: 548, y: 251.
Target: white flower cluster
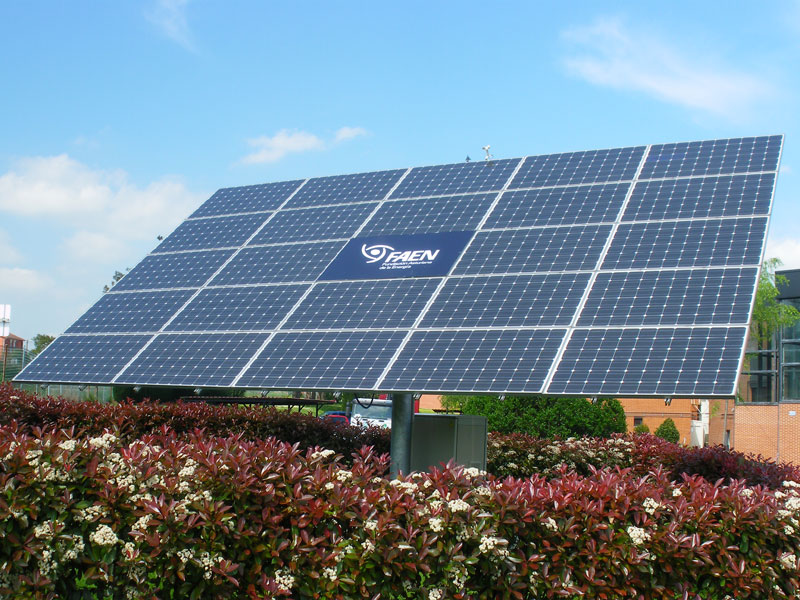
x: 344, y: 475
x: 483, y: 490
x: 142, y: 523
x: 32, y: 456
x: 791, y: 484
x: 44, y: 531
x: 47, y: 564
x: 91, y: 513
x: 789, y: 561
x: 76, y: 549
x: 638, y: 535
x: 551, y: 524
x: 472, y: 472
x: 329, y: 485
x: 368, y: 547
x: 329, y: 573
x: 207, y: 563
x: 458, y: 505
x: 185, y: 555
x: 318, y: 454
x: 11, y: 447
x: 435, y: 594
x: 103, y: 536
x: 284, y: 579
x: 199, y: 497
x: 494, y: 545
x: 104, y: 441
x: 188, y: 469
x: 746, y: 492
x: 68, y: 445
x: 650, y: 506
x: 407, y: 486
x: 370, y: 525
x: 677, y: 492
x: 436, y: 524
x: 129, y: 550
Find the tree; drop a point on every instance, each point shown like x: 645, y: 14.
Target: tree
x: 117, y: 276
x: 40, y: 342
x: 545, y: 417
x: 668, y: 431
x: 769, y: 315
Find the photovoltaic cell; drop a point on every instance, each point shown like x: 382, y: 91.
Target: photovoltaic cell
x: 514, y: 360
x: 363, y: 304
x: 324, y: 360
x: 713, y: 157
x: 249, y: 198
x: 248, y: 308
x: 278, y: 264
x: 322, y: 223
x: 701, y: 297
x: 211, y: 359
x: 84, y: 358
x: 186, y: 269
x: 345, y: 188
x: 558, y: 206
x: 131, y: 312
x: 715, y: 243
x: 212, y: 232
x: 507, y: 301
x: 450, y: 213
x: 458, y: 178
x: 594, y: 166
x: 659, y: 362
x: 726, y: 196
x: 532, y: 250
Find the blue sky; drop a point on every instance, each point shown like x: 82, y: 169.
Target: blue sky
x: 119, y: 118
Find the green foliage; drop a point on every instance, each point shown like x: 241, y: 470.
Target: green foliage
x: 40, y: 342
x: 169, y: 394
x: 547, y: 417
x: 643, y: 428
x: 114, y: 279
x: 769, y: 315
x: 667, y: 431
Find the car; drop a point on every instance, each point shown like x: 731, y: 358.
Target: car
x: 372, y: 413
x: 338, y: 416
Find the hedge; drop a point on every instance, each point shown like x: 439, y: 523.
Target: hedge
x: 199, y: 516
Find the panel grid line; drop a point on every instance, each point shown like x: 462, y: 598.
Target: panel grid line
x: 297, y: 304
x: 579, y: 309
x: 441, y: 285
x: 202, y: 287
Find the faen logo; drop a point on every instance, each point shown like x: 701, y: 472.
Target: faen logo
x: 389, y: 255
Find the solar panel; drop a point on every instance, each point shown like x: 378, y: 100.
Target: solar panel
x: 628, y: 271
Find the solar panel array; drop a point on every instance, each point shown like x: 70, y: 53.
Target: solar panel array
x: 629, y: 271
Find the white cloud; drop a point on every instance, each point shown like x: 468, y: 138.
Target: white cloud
x: 609, y: 54
x: 786, y: 249
x: 348, y: 133
x: 785, y: 170
x: 54, y: 185
x: 16, y: 279
x: 99, y: 212
x: 8, y: 253
x: 272, y: 149
x: 170, y: 17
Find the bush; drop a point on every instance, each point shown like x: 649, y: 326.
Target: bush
x: 133, y: 421
x: 668, y: 431
x: 641, y: 428
x: 222, y: 517
x: 547, y: 417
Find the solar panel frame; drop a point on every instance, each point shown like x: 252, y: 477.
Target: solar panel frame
x: 718, y: 187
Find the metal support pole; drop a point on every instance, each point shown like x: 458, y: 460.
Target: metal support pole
x: 402, y: 419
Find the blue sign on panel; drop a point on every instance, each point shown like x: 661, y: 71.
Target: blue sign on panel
x: 393, y: 256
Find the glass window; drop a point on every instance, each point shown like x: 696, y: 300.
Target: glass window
x: 793, y: 331
x: 791, y: 383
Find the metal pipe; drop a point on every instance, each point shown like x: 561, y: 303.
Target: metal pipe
x: 402, y: 420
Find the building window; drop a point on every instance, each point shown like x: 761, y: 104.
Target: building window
x: 637, y: 421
